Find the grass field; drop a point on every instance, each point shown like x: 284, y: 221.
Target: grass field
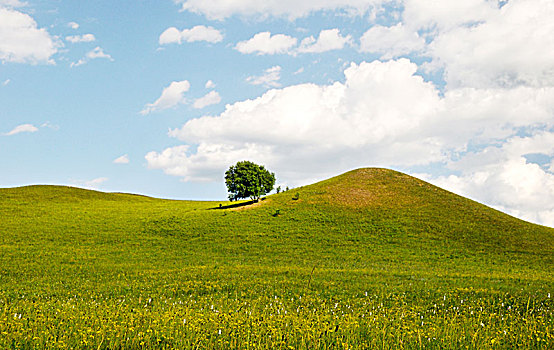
x: 369, y: 259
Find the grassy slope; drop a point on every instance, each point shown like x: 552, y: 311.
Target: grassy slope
x: 370, y: 230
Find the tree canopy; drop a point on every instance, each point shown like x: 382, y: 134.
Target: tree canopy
x: 248, y: 180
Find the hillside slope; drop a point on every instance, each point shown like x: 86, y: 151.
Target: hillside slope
x: 366, y: 218
x: 418, y: 209
x: 324, y: 256
x: 397, y: 220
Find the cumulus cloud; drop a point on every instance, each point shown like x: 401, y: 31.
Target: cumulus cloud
x: 501, y: 176
x: 478, y: 43
x: 383, y: 114
x: 297, y: 128
x: 172, y: 96
x: 172, y: 35
x: 124, y: 159
x: 73, y: 25
x: 266, y: 44
x: 85, y: 38
x: 329, y: 39
x: 221, y: 9
x: 95, y: 53
x: 22, y: 128
x: 209, y: 84
x: 442, y: 15
x: 211, y: 98
x: 21, y: 41
x: 513, y: 46
x: 270, y: 78
x: 391, y: 41
x: 6, y: 82
x: 98, y: 52
x: 206, y: 164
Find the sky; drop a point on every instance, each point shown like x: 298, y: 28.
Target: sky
x: 160, y: 97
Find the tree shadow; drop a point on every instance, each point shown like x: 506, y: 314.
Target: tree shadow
x: 236, y: 205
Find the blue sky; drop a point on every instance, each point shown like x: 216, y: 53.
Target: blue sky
x: 160, y: 97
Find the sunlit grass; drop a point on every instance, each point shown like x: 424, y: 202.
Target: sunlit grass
x: 461, y: 318
x: 405, y: 265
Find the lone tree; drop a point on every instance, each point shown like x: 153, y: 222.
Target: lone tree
x: 246, y: 179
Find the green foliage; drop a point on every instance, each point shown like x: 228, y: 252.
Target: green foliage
x: 399, y: 264
x: 248, y: 180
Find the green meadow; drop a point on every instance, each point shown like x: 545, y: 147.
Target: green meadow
x: 369, y: 259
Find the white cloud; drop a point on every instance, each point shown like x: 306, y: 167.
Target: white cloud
x: 124, y: 159
x: 484, y: 116
x: 73, y: 25
x: 21, y: 41
x: 172, y: 96
x: 480, y: 44
x: 6, y: 82
x: 329, y: 39
x: 446, y: 14
x: 78, y: 63
x: 513, y: 46
x: 95, y: 183
x: 391, y: 41
x: 221, y: 9
x: 206, y: 164
x: 172, y: 35
x: 299, y: 128
x: 50, y: 126
x: 85, y: 38
x: 501, y: 176
x: 209, y: 84
x: 270, y: 78
x: 98, y: 52
x: 211, y: 98
x: 95, y: 53
x: 266, y: 44
x: 12, y: 3
x: 22, y: 128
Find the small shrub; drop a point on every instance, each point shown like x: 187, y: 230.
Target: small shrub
x: 296, y: 196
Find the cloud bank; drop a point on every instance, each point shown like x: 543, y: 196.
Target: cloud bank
x: 384, y: 114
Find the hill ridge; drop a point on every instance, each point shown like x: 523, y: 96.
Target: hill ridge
x: 356, y: 188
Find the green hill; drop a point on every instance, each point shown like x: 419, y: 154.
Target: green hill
x: 370, y: 258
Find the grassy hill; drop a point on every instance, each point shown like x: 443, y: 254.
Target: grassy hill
x: 369, y: 259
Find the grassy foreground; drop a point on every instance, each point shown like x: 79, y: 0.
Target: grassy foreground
x: 369, y: 259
